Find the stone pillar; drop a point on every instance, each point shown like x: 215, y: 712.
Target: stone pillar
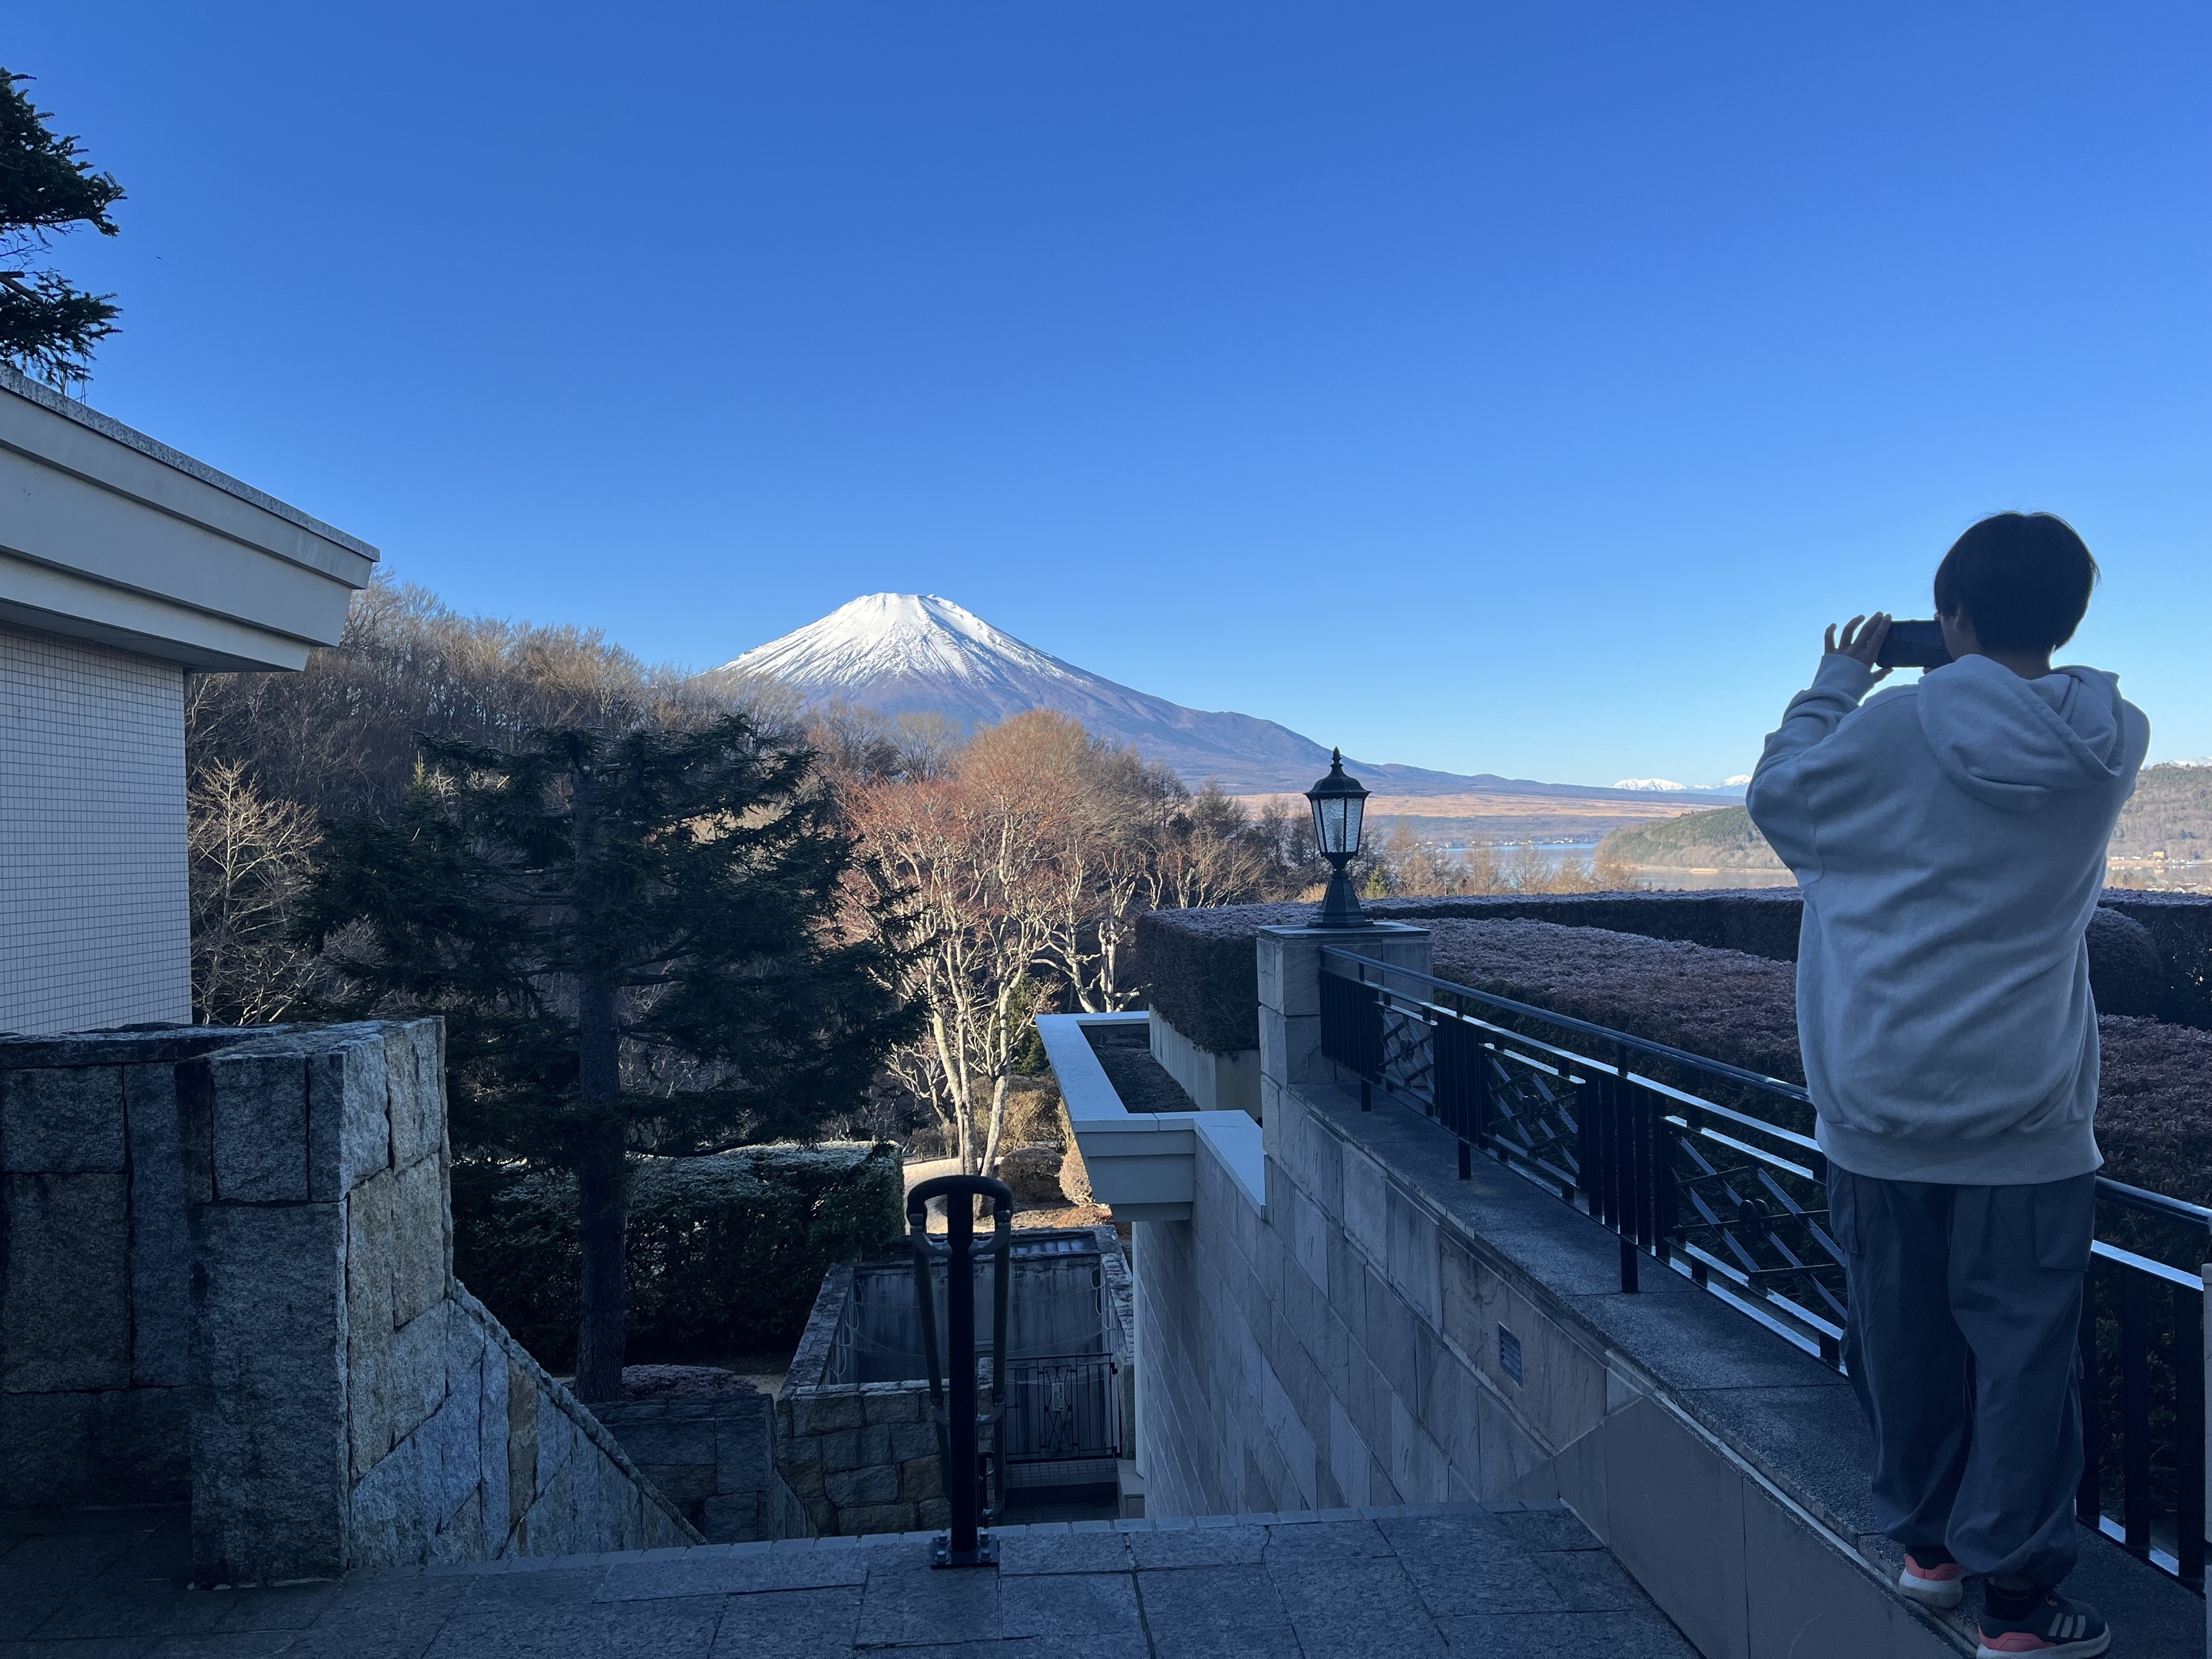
x: 284, y: 1140
x: 1289, y: 1001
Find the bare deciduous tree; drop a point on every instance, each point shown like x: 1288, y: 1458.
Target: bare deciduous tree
x: 251, y: 857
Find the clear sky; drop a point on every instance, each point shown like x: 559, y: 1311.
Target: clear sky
x: 1511, y: 388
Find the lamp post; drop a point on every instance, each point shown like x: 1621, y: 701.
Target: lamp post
x: 1339, y: 804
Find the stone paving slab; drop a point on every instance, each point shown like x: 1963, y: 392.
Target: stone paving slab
x: 1497, y: 1580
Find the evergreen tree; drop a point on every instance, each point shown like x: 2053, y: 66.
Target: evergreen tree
x: 48, y: 326
x: 630, y: 938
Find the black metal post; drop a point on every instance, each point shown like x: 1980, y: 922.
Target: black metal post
x: 2134, y: 1410
x: 2088, y: 1497
x: 2189, y: 1432
x: 960, y: 1374
x: 953, y: 1390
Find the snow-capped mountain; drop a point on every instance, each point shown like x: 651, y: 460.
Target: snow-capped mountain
x: 918, y: 652
x: 908, y: 652
x: 1734, y: 786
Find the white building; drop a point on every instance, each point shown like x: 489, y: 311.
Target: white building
x: 123, y: 564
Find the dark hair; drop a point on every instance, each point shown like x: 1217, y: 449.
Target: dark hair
x: 2023, y: 579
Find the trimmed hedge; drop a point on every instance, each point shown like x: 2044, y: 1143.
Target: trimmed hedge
x: 2149, y: 953
x: 2181, y: 929
x: 726, y: 1253
x: 2154, y: 1108
x: 1723, y: 1005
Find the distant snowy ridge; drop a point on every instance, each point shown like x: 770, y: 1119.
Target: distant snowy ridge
x: 920, y: 652
x: 1734, y: 786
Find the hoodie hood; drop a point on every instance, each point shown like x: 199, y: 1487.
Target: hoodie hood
x: 2014, y: 742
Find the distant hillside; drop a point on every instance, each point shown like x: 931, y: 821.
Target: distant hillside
x: 2171, y: 812
x: 1722, y: 840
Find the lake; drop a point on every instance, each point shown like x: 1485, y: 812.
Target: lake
x: 1655, y: 877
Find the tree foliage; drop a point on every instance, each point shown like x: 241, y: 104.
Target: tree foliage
x: 249, y: 859
x: 49, y: 327
x: 1007, y: 875
x: 630, y: 936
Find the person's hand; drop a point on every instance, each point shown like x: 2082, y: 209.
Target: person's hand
x: 1862, y: 644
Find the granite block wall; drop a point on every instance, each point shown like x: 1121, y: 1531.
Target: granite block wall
x: 1341, y: 1349
x: 862, y: 1457
x: 714, y: 1460
x: 857, y: 1457
x: 94, y: 1262
x: 353, y: 1405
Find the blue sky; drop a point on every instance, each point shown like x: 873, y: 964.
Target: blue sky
x: 1492, y: 388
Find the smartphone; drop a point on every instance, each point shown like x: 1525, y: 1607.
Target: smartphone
x: 1913, y: 645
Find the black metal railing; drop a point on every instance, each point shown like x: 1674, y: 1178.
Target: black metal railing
x: 1729, y: 1188
x: 1065, y: 1408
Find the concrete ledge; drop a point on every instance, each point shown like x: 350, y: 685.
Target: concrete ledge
x: 1140, y: 1163
x: 1224, y: 1082
x: 1724, y: 1466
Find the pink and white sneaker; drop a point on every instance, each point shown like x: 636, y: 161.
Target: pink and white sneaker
x: 1932, y: 1583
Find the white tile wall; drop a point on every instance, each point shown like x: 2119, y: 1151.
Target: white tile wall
x: 94, y: 929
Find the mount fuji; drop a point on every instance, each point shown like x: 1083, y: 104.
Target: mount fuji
x: 917, y: 653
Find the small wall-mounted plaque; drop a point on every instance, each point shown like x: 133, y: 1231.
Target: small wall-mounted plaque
x: 1508, y: 1353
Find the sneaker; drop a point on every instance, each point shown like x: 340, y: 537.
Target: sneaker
x: 2055, y: 1628
x: 1932, y: 1583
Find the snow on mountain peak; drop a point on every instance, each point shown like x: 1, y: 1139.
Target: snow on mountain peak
x: 921, y: 636
x: 1651, y: 783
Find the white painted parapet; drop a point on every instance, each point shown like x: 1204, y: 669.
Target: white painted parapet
x: 1140, y: 1163
x: 1215, y: 1083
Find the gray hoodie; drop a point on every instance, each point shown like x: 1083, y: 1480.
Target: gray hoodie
x: 1950, y: 838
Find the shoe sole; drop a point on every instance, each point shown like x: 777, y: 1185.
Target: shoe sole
x: 2089, y: 1648
x: 1942, y: 1594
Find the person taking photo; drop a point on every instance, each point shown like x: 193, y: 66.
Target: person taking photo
x: 1950, y: 839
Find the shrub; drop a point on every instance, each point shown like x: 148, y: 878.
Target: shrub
x: 1722, y: 1005
x: 725, y: 1252
x: 1202, y: 974
x: 2154, y: 1109
x: 1034, y: 1174
x: 1204, y: 977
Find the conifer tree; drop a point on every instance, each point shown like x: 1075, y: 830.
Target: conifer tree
x: 631, y: 940
x: 48, y: 325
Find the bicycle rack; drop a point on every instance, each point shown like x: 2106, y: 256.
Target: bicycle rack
x: 967, y: 1469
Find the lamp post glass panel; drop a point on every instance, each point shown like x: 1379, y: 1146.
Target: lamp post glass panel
x: 1338, y: 804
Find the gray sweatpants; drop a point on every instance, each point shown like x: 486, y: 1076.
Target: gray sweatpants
x: 1963, y: 1346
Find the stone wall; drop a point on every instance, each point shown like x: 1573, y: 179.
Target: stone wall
x: 225, y: 1276
x: 353, y: 1405
x: 94, y: 1266
x: 861, y: 1457
x: 715, y: 1460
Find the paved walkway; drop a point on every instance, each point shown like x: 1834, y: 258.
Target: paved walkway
x: 1503, y: 1580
